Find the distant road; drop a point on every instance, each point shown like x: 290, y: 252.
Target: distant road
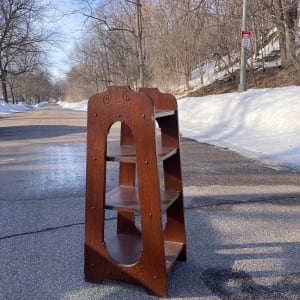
x: 42, y: 154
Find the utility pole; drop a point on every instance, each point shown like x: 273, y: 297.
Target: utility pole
x: 139, y: 42
x: 243, y: 74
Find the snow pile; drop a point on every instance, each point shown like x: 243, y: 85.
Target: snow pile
x: 39, y: 105
x: 74, y: 105
x: 7, y: 108
x: 261, y: 123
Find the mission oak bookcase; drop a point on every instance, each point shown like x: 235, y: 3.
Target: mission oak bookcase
x: 137, y: 254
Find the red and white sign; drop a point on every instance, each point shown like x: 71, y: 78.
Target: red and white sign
x: 246, y: 39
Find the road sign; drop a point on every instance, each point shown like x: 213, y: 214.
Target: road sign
x: 246, y: 39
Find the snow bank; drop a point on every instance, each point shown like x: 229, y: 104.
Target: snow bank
x: 74, y: 105
x: 39, y: 105
x: 261, y: 123
x: 6, y: 108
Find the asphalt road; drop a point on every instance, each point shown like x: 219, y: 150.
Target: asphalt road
x: 242, y: 218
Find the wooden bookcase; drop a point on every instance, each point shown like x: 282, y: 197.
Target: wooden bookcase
x: 140, y: 256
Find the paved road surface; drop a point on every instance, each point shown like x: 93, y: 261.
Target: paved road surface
x: 242, y: 218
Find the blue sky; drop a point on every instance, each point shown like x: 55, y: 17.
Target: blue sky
x: 70, y: 27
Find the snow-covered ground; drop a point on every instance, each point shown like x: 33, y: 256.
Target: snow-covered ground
x: 12, y: 108
x: 263, y: 124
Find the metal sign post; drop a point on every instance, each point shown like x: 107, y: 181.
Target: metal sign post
x: 243, y: 74
x: 246, y: 39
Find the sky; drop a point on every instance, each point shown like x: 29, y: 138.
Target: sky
x: 69, y: 23
x: 262, y: 124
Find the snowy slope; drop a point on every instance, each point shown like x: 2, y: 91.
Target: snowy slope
x: 261, y: 123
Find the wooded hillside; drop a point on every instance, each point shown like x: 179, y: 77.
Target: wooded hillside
x: 164, y: 43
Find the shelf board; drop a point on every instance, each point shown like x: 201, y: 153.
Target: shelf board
x: 126, y: 198
x: 126, y: 249
x: 159, y: 113
x: 115, y: 152
x: 172, y: 251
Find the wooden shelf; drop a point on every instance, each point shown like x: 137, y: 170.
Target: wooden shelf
x: 126, y: 198
x: 115, y: 152
x: 135, y: 254
x: 159, y: 113
x: 126, y: 249
x: 172, y: 251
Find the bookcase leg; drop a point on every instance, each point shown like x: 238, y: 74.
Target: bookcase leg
x: 126, y: 220
x: 91, y: 270
x: 126, y: 223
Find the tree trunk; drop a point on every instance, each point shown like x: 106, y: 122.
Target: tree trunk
x: 286, y: 21
x: 4, y: 90
x: 139, y: 43
x: 201, y: 73
x: 187, y: 77
x: 12, y: 95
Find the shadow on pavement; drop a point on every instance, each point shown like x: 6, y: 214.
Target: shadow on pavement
x: 37, y: 131
x: 222, y: 261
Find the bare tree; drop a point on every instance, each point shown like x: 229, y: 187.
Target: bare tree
x: 178, y: 37
x: 78, y: 87
x: 22, y: 38
x: 30, y: 87
x: 284, y: 13
x: 180, y: 34
x: 121, y: 18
